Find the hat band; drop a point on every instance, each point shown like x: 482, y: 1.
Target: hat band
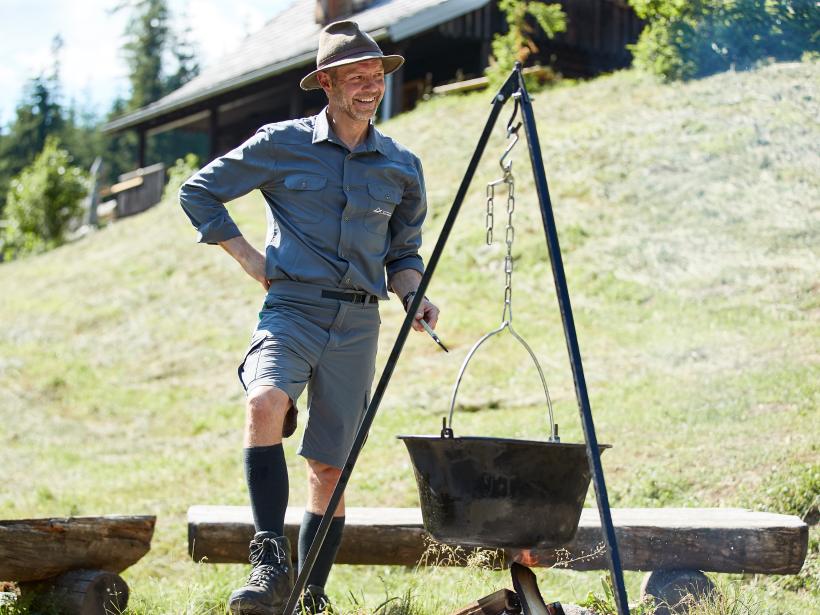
x: 348, y: 54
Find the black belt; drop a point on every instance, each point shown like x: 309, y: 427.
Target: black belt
x: 351, y: 297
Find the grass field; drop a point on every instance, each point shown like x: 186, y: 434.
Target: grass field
x: 689, y: 217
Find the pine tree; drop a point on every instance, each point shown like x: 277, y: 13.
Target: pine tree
x: 148, y: 34
x: 37, y: 116
x: 160, y: 60
x: 184, y: 53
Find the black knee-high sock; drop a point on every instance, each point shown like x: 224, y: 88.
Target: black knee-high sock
x: 267, y: 476
x: 307, y: 531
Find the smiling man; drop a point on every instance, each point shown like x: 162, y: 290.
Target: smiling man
x: 345, y: 206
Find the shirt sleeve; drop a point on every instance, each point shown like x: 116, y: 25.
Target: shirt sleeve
x: 203, y: 195
x: 405, y: 227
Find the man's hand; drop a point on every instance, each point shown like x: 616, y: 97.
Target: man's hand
x: 406, y: 281
x: 251, y: 259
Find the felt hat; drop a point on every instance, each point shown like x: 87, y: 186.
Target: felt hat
x: 343, y: 43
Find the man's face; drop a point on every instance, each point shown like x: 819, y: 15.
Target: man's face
x: 355, y: 89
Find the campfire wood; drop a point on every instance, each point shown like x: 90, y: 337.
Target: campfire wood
x: 513, y: 87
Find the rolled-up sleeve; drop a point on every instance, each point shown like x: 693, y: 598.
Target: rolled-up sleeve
x: 405, y: 227
x: 203, y: 195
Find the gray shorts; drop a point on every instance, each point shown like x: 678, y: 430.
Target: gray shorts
x: 327, y: 345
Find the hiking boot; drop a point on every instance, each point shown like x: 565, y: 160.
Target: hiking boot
x: 314, y: 602
x: 271, y: 579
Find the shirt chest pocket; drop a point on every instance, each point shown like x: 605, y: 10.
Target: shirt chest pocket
x: 304, y: 197
x: 382, y: 203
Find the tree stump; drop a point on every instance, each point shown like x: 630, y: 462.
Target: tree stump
x: 674, y: 591
x: 82, y: 592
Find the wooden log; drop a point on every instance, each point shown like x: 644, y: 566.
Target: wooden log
x: 37, y: 549
x: 80, y: 592
x: 709, y: 539
x: 221, y: 534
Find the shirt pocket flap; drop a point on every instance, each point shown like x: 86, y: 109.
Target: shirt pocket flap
x: 305, y: 182
x: 382, y: 192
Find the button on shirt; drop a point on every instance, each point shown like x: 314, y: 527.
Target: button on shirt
x: 336, y: 217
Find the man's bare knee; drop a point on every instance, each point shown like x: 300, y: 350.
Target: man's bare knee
x: 322, y: 479
x: 265, y: 411
x: 321, y: 474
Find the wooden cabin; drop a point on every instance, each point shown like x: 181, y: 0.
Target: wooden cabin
x: 442, y: 41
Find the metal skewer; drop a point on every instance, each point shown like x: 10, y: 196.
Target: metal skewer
x: 432, y: 333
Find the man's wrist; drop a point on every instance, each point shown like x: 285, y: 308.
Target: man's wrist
x: 408, y: 298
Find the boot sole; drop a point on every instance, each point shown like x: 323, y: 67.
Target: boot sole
x: 247, y: 607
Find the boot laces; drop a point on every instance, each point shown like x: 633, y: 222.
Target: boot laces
x: 269, y: 560
x: 316, y: 602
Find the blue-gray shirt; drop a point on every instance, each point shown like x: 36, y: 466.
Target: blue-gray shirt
x: 335, y: 218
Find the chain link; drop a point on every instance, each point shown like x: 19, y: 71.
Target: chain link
x: 490, y: 205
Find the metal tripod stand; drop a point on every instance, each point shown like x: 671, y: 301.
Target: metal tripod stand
x: 513, y: 86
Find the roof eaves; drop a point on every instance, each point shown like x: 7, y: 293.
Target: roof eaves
x: 423, y: 20
x: 158, y: 109
x: 152, y: 111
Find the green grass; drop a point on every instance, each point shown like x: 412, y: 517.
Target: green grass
x: 690, y: 226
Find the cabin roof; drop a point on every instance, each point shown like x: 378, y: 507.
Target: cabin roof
x: 289, y: 40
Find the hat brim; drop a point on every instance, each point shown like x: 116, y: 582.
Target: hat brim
x: 391, y: 64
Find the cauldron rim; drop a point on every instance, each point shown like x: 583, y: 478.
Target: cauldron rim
x: 500, y: 440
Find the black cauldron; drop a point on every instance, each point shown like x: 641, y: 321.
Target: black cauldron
x: 499, y: 492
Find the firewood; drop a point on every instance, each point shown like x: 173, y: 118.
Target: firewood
x: 502, y: 602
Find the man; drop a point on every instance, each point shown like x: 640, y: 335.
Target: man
x: 344, y: 204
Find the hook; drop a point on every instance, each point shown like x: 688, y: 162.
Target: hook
x: 510, y: 128
x: 512, y: 131
x: 505, y: 164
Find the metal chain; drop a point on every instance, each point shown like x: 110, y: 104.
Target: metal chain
x: 509, y: 235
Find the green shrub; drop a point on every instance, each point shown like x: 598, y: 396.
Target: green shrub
x: 42, y: 201
x: 693, y: 38
x: 516, y: 44
x: 183, y: 169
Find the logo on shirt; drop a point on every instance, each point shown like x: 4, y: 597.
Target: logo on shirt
x: 382, y: 212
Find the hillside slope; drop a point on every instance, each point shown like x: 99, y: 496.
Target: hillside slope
x: 689, y: 218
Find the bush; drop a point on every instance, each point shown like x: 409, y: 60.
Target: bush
x: 517, y: 45
x: 694, y: 38
x: 42, y: 201
x: 177, y: 174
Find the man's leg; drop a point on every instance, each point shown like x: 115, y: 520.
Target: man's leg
x: 265, y: 469
x: 322, y: 479
x: 271, y: 579
x: 337, y: 402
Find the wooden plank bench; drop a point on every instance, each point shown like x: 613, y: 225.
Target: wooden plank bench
x: 704, y: 539
x: 74, y: 562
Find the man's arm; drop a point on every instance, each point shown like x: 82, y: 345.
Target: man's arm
x: 404, y: 265
x: 251, y: 259
x: 406, y: 281
x: 203, y: 195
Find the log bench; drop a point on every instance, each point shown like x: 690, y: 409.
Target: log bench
x: 74, y: 563
x: 707, y: 539
x: 673, y: 545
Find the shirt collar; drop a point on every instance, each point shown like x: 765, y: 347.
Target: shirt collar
x: 323, y: 131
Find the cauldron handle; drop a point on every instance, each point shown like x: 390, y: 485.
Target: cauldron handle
x: 506, y: 324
